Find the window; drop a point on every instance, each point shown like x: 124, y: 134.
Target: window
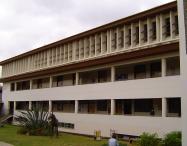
x: 167, y: 27
x: 129, y: 37
x: 140, y: 71
x: 153, y: 36
x: 145, y: 33
x: 103, y: 76
x: 156, y: 69
x: 63, y: 80
x: 173, y: 107
x: 95, y: 76
x: 121, y: 39
x: 176, y: 24
x: 102, y: 105
x: 64, y: 106
x: 143, y: 105
x: 104, y: 43
x: 172, y: 66
x: 24, y: 85
x: 136, y: 41
x: 22, y: 105
x: 66, y: 125
x: 12, y: 87
x: 40, y: 83
x: 121, y: 73
x: 41, y: 105
x: 114, y: 39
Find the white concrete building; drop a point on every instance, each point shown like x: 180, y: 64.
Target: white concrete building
x: 127, y: 76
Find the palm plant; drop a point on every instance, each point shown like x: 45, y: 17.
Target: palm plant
x: 35, y: 122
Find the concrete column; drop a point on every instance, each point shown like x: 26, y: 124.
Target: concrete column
x: 158, y: 27
x: 30, y: 105
x: 132, y: 108
x: 163, y: 61
x: 182, y: 12
x: 112, y: 74
x: 76, y: 106
x: 50, y: 106
x: 14, y: 106
x: 50, y: 82
x: 164, y: 107
x: 112, y: 111
x: 30, y: 84
x: 76, y: 78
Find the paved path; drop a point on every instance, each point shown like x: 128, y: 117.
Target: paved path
x: 5, y: 144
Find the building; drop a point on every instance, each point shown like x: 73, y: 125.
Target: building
x: 127, y: 76
x: 1, y: 103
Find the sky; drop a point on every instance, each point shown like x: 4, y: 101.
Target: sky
x: 28, y: 24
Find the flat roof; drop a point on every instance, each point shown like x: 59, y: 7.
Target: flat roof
x: 129, y: 19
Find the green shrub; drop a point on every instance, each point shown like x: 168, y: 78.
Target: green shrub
x: 147, y: 139
x: 173, y: 139
x: 33, y: 122
x: 22, y: 130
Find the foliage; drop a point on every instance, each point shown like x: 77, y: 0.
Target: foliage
x: 173, y: 139
x: 147, y: 139
x: 34, y: 122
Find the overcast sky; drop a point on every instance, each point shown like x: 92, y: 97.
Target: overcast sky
x: 27, y: 24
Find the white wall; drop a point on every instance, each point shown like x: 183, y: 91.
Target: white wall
x: 183, y: 57
x: 132, y: 89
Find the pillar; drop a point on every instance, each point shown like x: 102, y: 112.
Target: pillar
x: 164, y: 107
x: 182, y: 13
x: 50, y: 82
x: 112, y: 74
x: 14, y: 106
x: 30, y: 105
x: 163, y: 62
x: 76, y: 78
x: 50, y: 106
x: 112, y: 107
x: 76, y: 106
x: 133, y: 107
x: 30, y: 84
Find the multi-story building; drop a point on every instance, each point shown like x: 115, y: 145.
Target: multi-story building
x: 1, y: 104
x: 125, y: 76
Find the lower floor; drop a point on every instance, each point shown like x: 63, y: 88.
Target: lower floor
x: 123, y: 116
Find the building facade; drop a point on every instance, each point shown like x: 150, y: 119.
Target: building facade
x: 125, y: 76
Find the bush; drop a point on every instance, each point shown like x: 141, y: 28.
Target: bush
x: 147, y: 139
x: 33, y: 122
x: 173, y: 139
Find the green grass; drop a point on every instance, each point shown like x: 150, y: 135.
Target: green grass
x: 8, y: 134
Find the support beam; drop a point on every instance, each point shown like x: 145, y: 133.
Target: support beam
x: 112, y: 107
x: 76, y: 106
x: 163, y: 61
x: 50, y: 82
x: 77, y: 78
x: 14, y: 106
x: 164, y: 107
x: 112, y: 74
x: 30, y: 105
x: 50, y: 106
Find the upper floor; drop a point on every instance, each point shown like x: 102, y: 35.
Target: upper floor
x: 155, y: 27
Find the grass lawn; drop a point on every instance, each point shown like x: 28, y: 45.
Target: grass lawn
x: 9, y: 134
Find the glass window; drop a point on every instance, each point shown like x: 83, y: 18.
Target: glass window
x: 156, y: 69
x: 140, y: 71
x: 173, y: 107
x: 172, y: 66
